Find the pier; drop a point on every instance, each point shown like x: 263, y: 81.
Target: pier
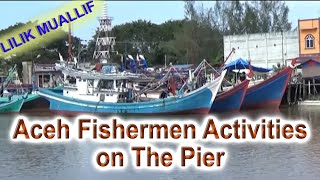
x: 303, y: 92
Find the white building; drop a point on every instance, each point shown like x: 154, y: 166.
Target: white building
x: 264, y: 50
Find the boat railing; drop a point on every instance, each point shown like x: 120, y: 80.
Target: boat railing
x: 70, y: 85
x: 108, y: 90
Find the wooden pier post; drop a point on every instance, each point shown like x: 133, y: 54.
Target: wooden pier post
x: 304, y: 89
x: 300, y: 90
x: 296, y: 93
x: 309, y: 89
x: 313, y: 87
x: 289, y: 95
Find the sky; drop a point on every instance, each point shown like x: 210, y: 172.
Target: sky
x: 157, y: 12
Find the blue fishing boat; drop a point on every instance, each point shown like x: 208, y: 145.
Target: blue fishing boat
x: 117, y: 102
x: 269, y: 93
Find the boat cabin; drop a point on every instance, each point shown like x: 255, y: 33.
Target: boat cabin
x: 99, y: 89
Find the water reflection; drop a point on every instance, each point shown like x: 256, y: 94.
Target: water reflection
x: 245, y: 161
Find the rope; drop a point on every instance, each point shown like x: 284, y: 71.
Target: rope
x: 185, y: 83
x: 95, y: 110
x: 212, y: 67
x: 177, y: 73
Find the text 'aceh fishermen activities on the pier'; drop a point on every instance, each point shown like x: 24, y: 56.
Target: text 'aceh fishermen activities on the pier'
x: 186, y: 134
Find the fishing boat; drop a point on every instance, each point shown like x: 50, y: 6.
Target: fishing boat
x: 108, y: 101
x: 12, y: 88
x: 232, y: 98
x: 36, y: 103
x: 11, y: 106
x: 8, y: 102
x: 12, y: 103
x: 268, y: 93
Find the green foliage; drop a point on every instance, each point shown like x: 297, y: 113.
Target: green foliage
x: 270, y: 16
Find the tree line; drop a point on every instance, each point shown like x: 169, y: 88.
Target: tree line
x: 190, y: 40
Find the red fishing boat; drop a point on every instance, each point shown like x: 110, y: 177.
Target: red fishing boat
x: 269, y: 93
x: 231, y: 100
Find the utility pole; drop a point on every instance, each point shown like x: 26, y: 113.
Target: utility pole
x: 82, y: 48
x: 165, y: 61
x: 70, y: 44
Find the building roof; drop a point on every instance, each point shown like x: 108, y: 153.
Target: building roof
x: 44, y: 67
x: 183, y: 66
x: 305, y: 58
x: 309, y: 63
x: 308, y: 19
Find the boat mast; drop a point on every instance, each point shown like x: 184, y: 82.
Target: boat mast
x: 225, y: 61
x: 105, y: 43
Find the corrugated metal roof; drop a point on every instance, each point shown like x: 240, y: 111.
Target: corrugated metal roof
x: 183, y: 66
x: 44, y: 67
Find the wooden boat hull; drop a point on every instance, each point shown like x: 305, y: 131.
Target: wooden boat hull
x: 269, y: 93
x: 198, y: 101
x: 12, y: 106
x: 230, y: 100
x: 35, y: 103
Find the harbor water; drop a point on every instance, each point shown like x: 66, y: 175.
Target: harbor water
x: 73, y: 160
